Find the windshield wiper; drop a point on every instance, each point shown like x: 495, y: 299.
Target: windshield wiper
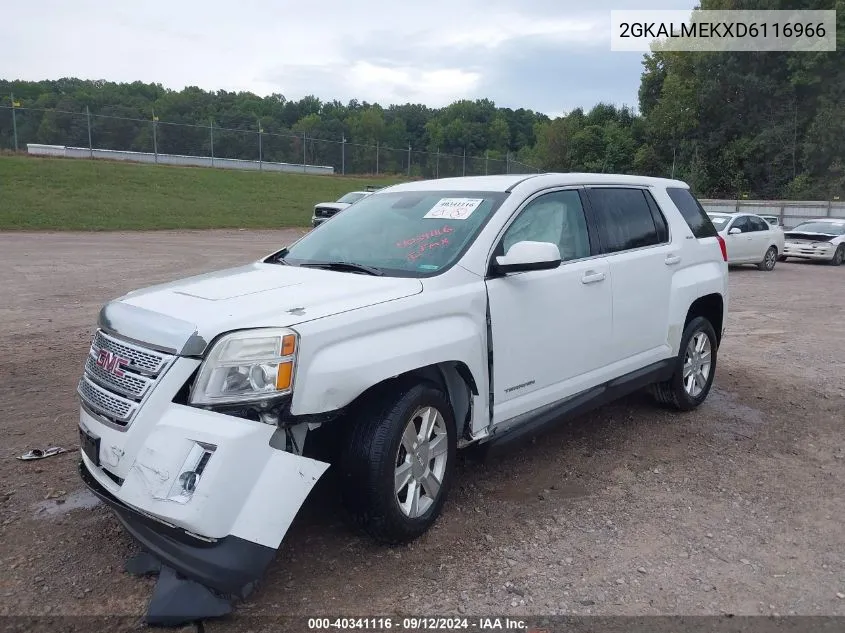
x: 345, y: 266
x: 279, y: 258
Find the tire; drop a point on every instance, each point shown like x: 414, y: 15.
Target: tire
x: 838, y: 256
x: 370, y: 463
x: 673, y: 392
x: 769, y: 259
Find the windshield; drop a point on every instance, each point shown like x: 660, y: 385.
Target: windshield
x: 410, y: 233
x: 349, y: 198
x: 719, y: 221
x: 828, y: 228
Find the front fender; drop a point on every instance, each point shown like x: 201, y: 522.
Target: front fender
x: 337, y: 372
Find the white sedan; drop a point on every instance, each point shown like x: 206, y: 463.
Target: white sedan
x: 822, y: 239
x: 749, y: 239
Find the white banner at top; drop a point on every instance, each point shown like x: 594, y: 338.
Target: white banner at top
x: 724, y: 30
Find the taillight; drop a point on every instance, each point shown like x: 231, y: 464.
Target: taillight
x: 723, y: 247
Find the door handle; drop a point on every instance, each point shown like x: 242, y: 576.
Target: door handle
x: 591, y: 277
x: 672, y: 260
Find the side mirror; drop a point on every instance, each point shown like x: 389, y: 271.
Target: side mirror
x: 525, y: 256
x: 735, y: 231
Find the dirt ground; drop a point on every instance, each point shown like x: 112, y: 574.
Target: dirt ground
x: 737, y: 507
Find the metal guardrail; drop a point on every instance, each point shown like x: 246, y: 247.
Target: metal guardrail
x: 173, y: 159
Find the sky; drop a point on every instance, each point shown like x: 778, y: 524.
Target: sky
x: 546, y: 55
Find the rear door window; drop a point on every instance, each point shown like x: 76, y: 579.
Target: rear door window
x: 694, y: 214
x: 758, y: 224
x: 624, y: 218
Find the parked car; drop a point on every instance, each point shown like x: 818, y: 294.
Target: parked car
x: 427, y: 317
x: 324, y: 210
x: 749, y: 238
x: 822, y: 240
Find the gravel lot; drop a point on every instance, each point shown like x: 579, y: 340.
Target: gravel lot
x: 736, y: 508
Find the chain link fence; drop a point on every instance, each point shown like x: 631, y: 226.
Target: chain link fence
x: 259, y: 144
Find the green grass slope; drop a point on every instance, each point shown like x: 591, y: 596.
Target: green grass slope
x: 74, y: 194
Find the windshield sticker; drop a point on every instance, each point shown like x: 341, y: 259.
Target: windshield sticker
x: 454, y: 208
x: 422, y: 237
x: 425, y: 248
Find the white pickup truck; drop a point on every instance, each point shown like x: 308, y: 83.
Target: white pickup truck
x: 325, y: 210
x: 426, y: 317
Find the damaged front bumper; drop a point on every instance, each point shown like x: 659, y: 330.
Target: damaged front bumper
x: 230, y: 565
x: 818, y: 251
x: 223, y: 528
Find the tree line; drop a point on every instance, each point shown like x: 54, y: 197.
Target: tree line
x: 199, y: 122
x: 732, y: 124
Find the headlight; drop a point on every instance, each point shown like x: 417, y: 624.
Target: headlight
x: 247, y: 366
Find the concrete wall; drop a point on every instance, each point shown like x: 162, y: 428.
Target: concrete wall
x: 791, y: 212
x: 173, y: 159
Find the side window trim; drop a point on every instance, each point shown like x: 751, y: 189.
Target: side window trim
x: 604, y: 250
x: 592, y: 232
x: 658, y: 215
x: 596, y: 245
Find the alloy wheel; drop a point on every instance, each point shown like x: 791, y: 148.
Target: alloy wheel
x: 697, y: 364
x: 771, y: 258
x: 421, y: 462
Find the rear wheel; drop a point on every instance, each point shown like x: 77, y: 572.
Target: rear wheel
x: 397, y: 467
x: 695, y: 368
x: 769, y: 259
x: 838, y: 256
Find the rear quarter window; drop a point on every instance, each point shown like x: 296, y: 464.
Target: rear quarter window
x: 694, y: 214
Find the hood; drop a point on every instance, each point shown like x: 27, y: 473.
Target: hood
x: 184, y: 315
x: 810, y: 237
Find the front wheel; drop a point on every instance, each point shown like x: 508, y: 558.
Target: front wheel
x: 695, y: 368
x: 769, y: 259
x: 838, y: 256
x: 398, y: 465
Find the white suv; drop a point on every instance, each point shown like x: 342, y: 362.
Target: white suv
x: 324, y: 210
x: 426, y: 317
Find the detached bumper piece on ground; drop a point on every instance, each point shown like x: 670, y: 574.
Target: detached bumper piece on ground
x: 194, y: 582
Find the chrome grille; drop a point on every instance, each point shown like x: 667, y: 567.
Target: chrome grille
x: 117, y: 395
x: 140, y: 359
x: 117, y: 408
x: 132, y: 385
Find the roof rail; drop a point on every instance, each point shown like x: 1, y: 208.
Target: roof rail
x: 373, y: 188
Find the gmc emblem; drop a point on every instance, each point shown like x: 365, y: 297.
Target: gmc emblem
x: 111, y: 362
